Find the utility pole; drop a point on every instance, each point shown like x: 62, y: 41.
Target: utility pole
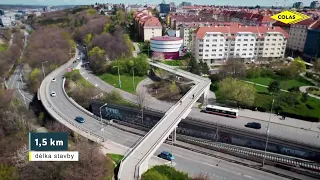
x: 134, y: 88
x: 265, y: 149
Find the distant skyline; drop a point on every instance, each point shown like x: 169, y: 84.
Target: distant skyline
x: 208, y: 2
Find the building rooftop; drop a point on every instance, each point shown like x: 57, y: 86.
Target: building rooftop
x: 166, y: 38
x: 200, y: 32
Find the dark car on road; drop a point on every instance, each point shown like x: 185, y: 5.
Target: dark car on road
x: 166, y: 155
x: 253, y: 125
x: 79, y: 119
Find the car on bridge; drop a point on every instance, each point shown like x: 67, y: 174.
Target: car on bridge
x: 79, y: 119
x: 166, y: 155
x: 53, y: 94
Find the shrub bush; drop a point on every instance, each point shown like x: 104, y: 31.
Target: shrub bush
x: 267, y: 73
x: 294, y: 89
x: 309, y: 74
x: 252, y: 73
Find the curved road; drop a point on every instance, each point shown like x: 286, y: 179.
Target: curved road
x: 191, y: 162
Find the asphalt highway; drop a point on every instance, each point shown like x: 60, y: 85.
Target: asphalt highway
x: 188, y: 161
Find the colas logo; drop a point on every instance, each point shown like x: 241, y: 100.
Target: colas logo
x: 290, y: 17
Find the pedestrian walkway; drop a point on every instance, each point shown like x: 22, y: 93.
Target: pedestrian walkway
x: 262, y: 85
x: 304, y: 90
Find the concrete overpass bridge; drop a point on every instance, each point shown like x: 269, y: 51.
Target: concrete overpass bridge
x: 135, y: 163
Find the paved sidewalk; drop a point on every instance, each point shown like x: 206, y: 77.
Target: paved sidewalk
x: 262, y: 85
x: 304, y: 90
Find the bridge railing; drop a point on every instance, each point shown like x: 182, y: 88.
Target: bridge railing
x: 171, y: 127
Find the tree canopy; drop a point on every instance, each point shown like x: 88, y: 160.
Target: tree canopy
x: 274, y: 87
x: 235, y: 90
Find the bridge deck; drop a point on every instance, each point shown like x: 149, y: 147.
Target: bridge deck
x: 157, y: 135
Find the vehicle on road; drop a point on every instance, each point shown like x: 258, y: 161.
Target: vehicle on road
x: 78, y: 58
x: 253, y: 125
x: 166, y: 155
x: 222, y: 111
x: 79, y: 119
x: 54, y: 80
x: 53, y: 94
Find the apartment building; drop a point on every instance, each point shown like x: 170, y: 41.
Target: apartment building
x: 298, y: 34
x: 146, y: 25
x: 312, y: 46
x: 187, y: 29
x: 215, y: 45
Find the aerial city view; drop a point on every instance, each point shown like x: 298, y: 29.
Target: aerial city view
x: 159, y: 90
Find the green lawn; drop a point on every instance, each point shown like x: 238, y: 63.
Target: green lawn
x: 115, y: 157
x: 284, y: 84
x: 126, y: 81
x: 3, y: 47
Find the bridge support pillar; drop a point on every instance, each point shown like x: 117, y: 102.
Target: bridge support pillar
x: 205, y: 96
x: 174, y: 135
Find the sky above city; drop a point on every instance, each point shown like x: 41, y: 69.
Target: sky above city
x: 213, y: 2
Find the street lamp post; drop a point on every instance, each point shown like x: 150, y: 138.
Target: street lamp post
x: 101, y: 116
x: 118, y: 75
x: 265, y: 149
x: 44, y: 75
x: 134, y: 88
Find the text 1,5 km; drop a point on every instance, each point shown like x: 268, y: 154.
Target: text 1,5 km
x: 46, y: 142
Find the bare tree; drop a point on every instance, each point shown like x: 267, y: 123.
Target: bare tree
x: 141, y: 100
x: 234, y: 68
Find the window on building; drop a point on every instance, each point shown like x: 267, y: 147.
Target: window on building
x: 214, y: 50
x: 214, y: 40
x: 251, y: 44
x: 207, y: 40
x: 220, y: 54
x: 252, y: 39
x: 260, y: 48
x: 245, y: 45
x: 250, y: 53
x: 214, y: 45
x: 220, y: 49
x: 244, y: 49
x: 245, y: 40
x: 206, y: 55
x: 266, y: 49
x: 207, y: 45
x: 221, y: 39
x: 244, y: 54
x: 221, y: 44
x: 207, y: 50
x: 201, y: 40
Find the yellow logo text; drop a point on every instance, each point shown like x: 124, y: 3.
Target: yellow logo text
x: 290, y: 17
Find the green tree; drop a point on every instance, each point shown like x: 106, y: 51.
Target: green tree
x: 102, y: 13
x: 91, y: 11
x: 193, y: 66
x: 128, y: 42
x: 173, y: 87
x: 153, y: 175
x: 274, y: 87
x: 35, y: 74
x: 8, y: 172
x: 297, y: 66
x: 141, y: 65
x: 88, y: 39
x: 204, y: 67
x: 235, y: 90
x: 97, y: 60
x: 304, y: 97
x: 120, y: 16
x: 316, y: 66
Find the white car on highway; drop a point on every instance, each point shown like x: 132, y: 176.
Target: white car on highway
x: 78, y: 58
x: 54, y: 80
x: 53, y: 94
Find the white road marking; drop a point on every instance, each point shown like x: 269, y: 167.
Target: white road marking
x: 82, y: 73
